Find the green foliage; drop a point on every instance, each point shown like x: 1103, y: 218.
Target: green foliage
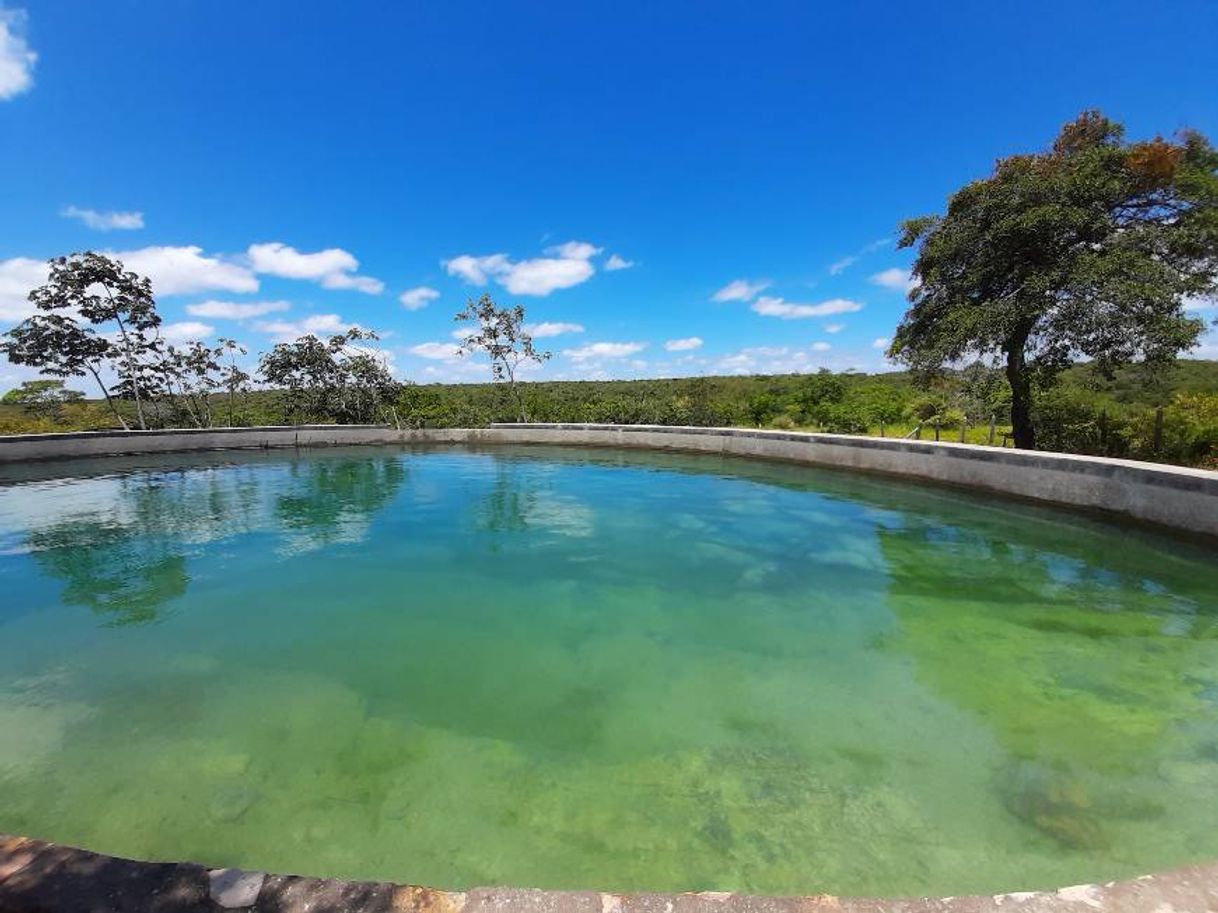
x: 44, y: 399
x: 1087, y: 250
x: 333, y: 379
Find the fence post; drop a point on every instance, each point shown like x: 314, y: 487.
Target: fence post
x: 1104, y: 432
x: 936, y: 424
x: 990, y: 439
x: 963, y: 426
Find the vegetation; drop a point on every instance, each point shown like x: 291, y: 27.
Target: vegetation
x: 501, y: 335
x: 1089, y: 250
x: 1049, y: 311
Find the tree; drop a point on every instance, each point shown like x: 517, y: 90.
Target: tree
x: 83, y: 292
x: 819, y: 395
x: 331, y: 379
x: 42, y: 398
x: 1088, y: 250
x: 883, y: 404
x: 501, y: 335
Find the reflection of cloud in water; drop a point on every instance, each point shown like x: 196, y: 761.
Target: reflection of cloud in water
x: 560, y: 514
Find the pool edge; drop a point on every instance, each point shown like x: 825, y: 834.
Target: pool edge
x: 1172, y: 497
x: 53, y: 878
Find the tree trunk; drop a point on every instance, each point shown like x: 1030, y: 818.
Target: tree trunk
x: 1021, y: 392
x: 109, y: 402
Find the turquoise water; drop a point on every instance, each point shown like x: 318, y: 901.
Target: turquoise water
x: 606, y: 670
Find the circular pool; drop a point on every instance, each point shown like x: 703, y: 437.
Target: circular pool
x: 598, y: 669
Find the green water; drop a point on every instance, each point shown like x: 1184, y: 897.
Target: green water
x: 603, y: 670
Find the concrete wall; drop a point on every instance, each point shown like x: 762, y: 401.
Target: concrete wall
x: 1185, y: 499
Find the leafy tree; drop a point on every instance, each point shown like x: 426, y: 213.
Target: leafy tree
x: 819, y: 395
x: 193, y: 374
x: 501, y: 335
x: 763, y: 407
x: 84, y: 292
x: 1087, y: 250
x: 42, y: 398
x: 331, y: 379
x: 882, y: 405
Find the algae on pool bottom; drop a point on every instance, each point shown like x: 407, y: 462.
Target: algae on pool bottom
x: 605, y: 670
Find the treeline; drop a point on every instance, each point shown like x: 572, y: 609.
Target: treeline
x: 1171, y: 417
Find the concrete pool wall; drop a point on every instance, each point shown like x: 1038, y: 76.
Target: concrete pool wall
x: 1172, y: 496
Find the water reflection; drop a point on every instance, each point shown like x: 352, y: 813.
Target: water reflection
x: 121, y: 545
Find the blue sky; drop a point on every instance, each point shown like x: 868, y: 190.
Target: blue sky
x: 278, y: 167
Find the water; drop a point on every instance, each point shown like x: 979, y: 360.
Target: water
x: 620, y: 671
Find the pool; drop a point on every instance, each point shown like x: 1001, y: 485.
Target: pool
x: 569, y: 668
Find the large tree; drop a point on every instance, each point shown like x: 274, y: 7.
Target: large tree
x: 91, y: 315
x: 1088, y: 250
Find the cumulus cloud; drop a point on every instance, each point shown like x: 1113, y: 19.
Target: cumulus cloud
x: 840, y: 266
x: 16, y: 59
x: 615, y: 262
x: 564, y: 266
x: 436, y: 351
x: 546, y: 329
x: 187, y: 331
x: 788, y: 310
x: 333, y: 267
x: 683, y: 345
x: 316, y: 324
x: 236, y: 310
x: 880, y: 342
x: 741, y: 290
x: 899, y: 280
x: 605, y: 350
x: 834, y: 327
x: 821, y: 347
x: 185, y: 270
x: 415, y: 298
x: 18, y: 277
x: 104, y: 221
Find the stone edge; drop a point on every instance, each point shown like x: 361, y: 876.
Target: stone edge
x: 49, y: 877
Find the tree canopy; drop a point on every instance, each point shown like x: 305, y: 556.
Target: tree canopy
x: 1089, y: 250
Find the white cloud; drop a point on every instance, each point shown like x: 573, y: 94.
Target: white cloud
x: 234, y: 310
x: 18, y: 277
x: 741, y: 290
x: 547, y: 329
x: 290, y: 331
x: 333, y: 267
x: 16, y: 59
x: 683, y: 345
x: 821, y: 347
x: 880, y: 342
x: 787, y: 310
x: 899, y: 280
x: 834, y: 327
x: 187, y: 331
x: 437, y: 351
x: 605, y: 350
x: 415, y: 298
x: 104, y: 221
x: 615, y: 263
x: 565, y: 265
x: 184, y: 270
x: 1200, y: 304
x: 840, y: 266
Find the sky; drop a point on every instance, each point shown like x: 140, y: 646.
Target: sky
x: 668, y: 189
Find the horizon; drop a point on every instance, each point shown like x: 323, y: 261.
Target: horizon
x: 667, y: 195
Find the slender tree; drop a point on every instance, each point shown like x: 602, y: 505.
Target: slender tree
x: 501, y: 335
x: 1088, y: 250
